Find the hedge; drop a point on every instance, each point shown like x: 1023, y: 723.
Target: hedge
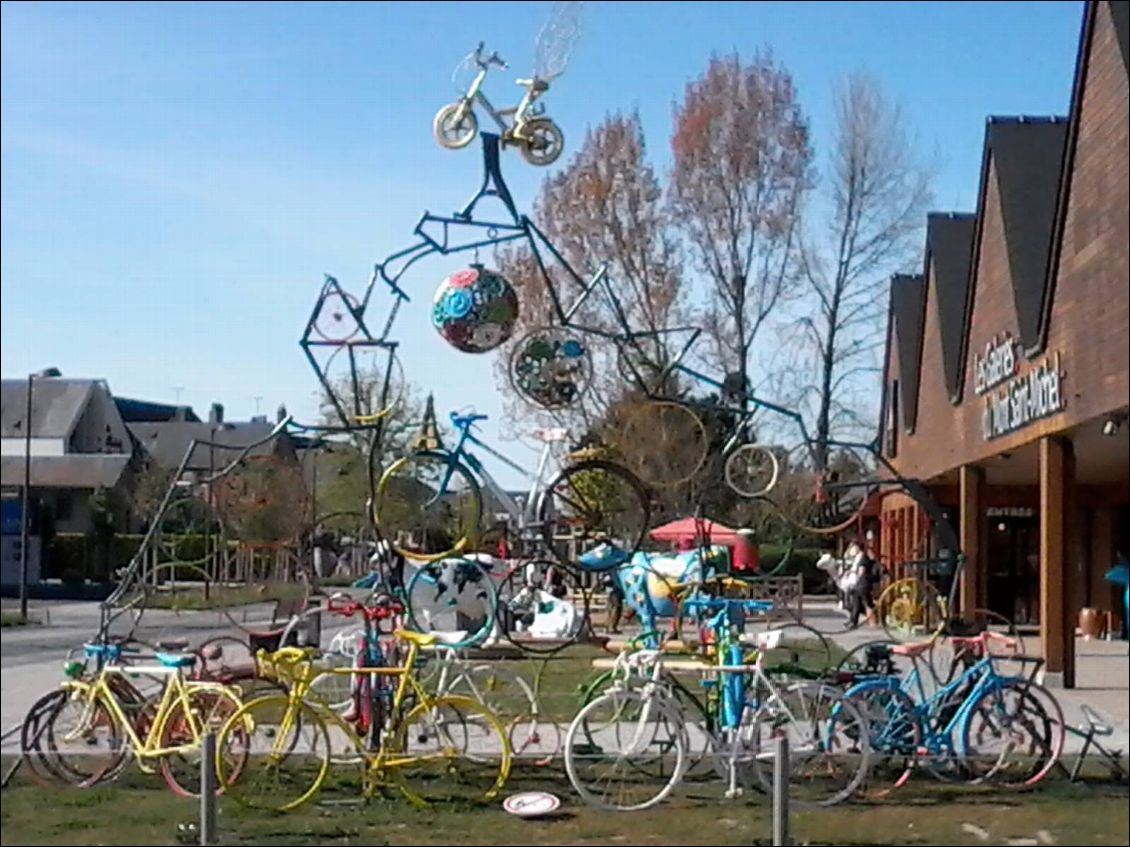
x: 75, y: 557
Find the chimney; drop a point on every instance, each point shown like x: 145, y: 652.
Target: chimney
x: 216, y: 414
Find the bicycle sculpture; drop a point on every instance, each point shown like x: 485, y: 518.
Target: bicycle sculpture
x: 525, y: 126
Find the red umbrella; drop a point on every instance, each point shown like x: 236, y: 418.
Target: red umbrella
x: 686, y: 531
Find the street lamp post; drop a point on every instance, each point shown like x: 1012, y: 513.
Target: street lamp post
x: 24, y: 517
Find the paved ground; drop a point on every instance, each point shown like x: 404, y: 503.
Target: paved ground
x: 31, y: 657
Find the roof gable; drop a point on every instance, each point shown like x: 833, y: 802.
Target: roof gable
x: 57, y: 405
x: 949, y: 256
x: 907, y: 303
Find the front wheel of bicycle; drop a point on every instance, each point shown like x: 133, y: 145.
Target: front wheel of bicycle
x: 454, y: 598
x: 1013, y: 735
x: 455, y: 126
x: 428, y: 506
x: 181, y: 732
x: 827, y: 736
x: 450, y: 749
x: 625, y: 752
x: 272, y: 754
x: 752, y: 470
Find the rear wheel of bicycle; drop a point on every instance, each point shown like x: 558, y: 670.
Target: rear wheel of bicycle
x: 427, y: 506
x: 454, y: 750
x: 271, y: 756
x: 208, y: 710
x: 32, y: 732
x: 591, y: 502
x: 823, y: 500
x: 910, y: 609
x: 828, y: 762
x: 624, y: 752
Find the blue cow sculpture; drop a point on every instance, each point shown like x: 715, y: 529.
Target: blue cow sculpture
x: 652, y: 583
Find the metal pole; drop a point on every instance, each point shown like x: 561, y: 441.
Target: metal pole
x: 780, y: 790
x: 24, y: 517
x: 208, y: 788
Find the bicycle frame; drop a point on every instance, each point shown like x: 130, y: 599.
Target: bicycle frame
x: 175, y: 692
x: 526, y: 516
x: 517, y: 114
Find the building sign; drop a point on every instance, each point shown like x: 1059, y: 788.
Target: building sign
x: 1000, y: 361
x: 1010, y: 512
x: 1014, y: 400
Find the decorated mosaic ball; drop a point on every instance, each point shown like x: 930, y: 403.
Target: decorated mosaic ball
x: 475, y: 309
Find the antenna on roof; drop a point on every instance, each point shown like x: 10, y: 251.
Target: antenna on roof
x: 258, y: 398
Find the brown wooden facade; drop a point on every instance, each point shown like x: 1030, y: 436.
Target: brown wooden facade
x: 1007, y: 379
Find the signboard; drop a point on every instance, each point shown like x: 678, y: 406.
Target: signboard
x: 1014, y: 399
x: 1010, y: 512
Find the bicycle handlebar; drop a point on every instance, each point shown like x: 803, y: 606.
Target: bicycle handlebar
x: 492, y: 59
x: 349, y: 607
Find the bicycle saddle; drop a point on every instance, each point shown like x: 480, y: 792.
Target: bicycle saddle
x: 113, y: 652
x: 555, y: 434
x: 912, y: 649
x: 174, y: 660
x: 173, y: 645
x: 534, y: 84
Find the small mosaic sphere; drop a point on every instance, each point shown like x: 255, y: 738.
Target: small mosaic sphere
x: 475, y: 309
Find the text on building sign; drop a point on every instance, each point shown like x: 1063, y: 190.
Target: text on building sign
x: 1024, y: 399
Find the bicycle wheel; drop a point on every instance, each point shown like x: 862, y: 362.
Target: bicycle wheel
x: 542, y: 607
x: 33, y: 732
x: 828, y: 751
x: 663, y: 442
x: 591, y: 502
x: 84, y: 741
x: 273, y: 754
x: 450, y: 749
x: 625, y: 752
x: 1012, y: 735
x: 454, y: 598
x: 894, y: 733
x: 428, y: 506
x: 534, y: 739
x: 752, y: 470
x: 910, y: 609
x: 208, y: 711
x: 827, y: 499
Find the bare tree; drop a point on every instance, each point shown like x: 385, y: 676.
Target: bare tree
x: 605, y: 209
x: 741, y: 171
x: 877, y: 194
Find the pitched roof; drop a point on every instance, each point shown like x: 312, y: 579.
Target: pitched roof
x: 908, y: 301
x: 168, y: 441
x: 71, y: 471
x: 56, y: 406
x: 135, y: 411
x: 949, y: 255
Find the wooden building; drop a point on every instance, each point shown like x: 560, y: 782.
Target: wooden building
x: 1007, y: 378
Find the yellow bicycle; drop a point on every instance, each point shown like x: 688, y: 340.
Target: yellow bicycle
x: 275, y: 752
x: 104, y: 721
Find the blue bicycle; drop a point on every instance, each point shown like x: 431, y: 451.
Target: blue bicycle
x: 977, y: 725
x: 430, y: 503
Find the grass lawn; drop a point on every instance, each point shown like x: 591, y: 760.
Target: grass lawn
x: 139, y: 810
x: 15, y: 619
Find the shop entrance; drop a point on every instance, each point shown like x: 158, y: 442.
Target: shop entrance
x: 1014, y: 563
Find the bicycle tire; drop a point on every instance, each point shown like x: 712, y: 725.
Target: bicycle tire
x: 237, y: 743
x: 405, y: 493
x: 210, y: 708
x: 611, y: 490
x: 621, y: 700
x: 429, y: 599
x: 1037, y: 716
x: 483, y: 757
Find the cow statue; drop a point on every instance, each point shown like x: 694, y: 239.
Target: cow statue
x: 652, y: 584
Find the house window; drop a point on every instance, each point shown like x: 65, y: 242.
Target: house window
x: 892, y: 423
x: 64, y: 506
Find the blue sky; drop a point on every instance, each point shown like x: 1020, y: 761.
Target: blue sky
x: 176, y: 178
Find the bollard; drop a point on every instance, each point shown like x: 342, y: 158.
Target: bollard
x: 208, y: 788
x: 780, y: 790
